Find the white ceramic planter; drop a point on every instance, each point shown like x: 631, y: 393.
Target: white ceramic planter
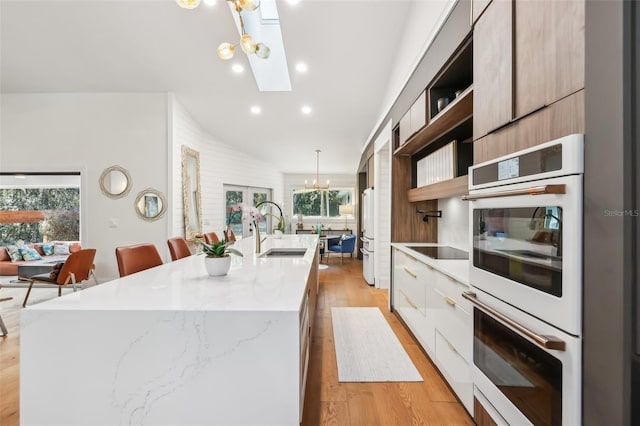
x: 217, y: 266
x: 277, y: 233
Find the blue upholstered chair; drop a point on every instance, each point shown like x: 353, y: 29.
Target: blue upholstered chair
x: 342, y: 245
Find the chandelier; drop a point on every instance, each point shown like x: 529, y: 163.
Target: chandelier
x: 315, y: 184
x: 226, y: 50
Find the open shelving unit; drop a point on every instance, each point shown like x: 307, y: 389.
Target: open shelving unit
x: 454, y: 114
x: 451, y: 123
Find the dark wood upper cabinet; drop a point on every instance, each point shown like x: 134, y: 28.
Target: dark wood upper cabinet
x: 492, y: 68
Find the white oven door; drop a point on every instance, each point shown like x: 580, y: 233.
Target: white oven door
x: 528, y: 371
x: 527, y: 249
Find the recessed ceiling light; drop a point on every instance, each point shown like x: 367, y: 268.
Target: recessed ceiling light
x: 256, y: 110
x: 301, y: 67
x: 209, y: 2
x: 237, y: 68
x: 306, y: 109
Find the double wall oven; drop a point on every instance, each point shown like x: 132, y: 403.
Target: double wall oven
x: 526, y: 274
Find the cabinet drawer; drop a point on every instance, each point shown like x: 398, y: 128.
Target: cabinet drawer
x: 456, y: 370
x: 410, y: 277
x: 422, y: 327
x: 453, y: 289
x: 455, y: 324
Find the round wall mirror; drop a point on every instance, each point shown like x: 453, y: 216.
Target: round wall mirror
x: 115, y: 182
x: 150, y: 204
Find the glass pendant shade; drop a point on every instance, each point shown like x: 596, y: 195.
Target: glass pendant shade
x: 226, y: 50
x: 247, y: 44
x: 262, y: 51
x: 188, y: 4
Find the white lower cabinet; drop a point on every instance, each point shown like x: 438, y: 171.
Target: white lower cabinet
x: 430, y: 303
x: 455, y: 369
x: 411, y: 281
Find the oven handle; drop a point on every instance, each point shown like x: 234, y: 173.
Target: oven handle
x: 534, y: 190
x: 547, y: 342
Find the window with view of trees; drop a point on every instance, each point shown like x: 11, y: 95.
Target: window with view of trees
x: 321, y: 202
x: 59, y: 219
x: 38, y: 207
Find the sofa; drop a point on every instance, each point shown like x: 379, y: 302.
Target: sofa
x: 9, y: 268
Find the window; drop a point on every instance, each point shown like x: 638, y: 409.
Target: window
x: 241, y: 194
x: 321, y: 202
x: 39, y: 207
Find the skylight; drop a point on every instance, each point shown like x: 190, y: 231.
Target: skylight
x: 272, y: 75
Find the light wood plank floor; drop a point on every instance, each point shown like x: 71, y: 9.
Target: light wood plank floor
x: 327, y: 401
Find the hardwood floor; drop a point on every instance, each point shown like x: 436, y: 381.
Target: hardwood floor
x: 327, y: 402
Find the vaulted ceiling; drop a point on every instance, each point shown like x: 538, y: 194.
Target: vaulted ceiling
x: 155, y: 46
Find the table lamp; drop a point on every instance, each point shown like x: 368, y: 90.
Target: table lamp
x: 345, y: 210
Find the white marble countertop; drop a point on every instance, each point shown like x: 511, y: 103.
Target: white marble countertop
x: 457, y: 269
x: 254, y: 283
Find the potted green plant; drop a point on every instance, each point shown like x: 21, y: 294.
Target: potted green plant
x: 217, y: 257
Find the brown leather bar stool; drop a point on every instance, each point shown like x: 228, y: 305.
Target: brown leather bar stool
x: 132, y: 259
x: 178, y: 248
x: 211, y: 237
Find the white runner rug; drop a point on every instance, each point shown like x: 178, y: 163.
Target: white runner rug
x: 367, y: 350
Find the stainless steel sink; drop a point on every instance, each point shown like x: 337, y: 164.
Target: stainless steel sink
x: 284, y: 252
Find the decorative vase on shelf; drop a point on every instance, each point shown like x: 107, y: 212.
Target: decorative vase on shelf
x: 277, y: 234
x: 217, y: 266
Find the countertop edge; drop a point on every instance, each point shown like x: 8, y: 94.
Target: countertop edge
x: 445, y: 266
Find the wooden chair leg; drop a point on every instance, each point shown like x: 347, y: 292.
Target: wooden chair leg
x: 3, y: 327
x: 27, y: 296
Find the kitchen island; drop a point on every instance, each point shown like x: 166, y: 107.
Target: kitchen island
x: 174, y: 346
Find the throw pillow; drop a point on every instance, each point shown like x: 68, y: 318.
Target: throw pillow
x: 47, y: 249
x: 61, y: 249
x: 14, y: 253
x: 29, y: 253
x: 55, y: 271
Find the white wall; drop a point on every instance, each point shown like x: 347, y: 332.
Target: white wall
x: 293, y: 181
x: 219, y: 164
x: 453, y: 226
x: 382, y: 207
x: 88, y: 132
x: 424, y: 21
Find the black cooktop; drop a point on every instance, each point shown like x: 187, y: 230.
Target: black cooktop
x: 443, y: 252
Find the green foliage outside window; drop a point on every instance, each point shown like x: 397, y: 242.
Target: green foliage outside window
x: 61, y: 208
x: 322, y: 203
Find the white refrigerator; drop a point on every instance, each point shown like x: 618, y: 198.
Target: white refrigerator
x: 367, y: 236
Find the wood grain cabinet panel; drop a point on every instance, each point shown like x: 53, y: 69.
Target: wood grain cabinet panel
x: 559, y: 119
x: 492, y: 68
x: 477, y: 7
x: 549, y: 52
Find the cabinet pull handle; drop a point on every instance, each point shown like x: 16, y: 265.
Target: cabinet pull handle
x: 410, y: 272
x: 450, y: 301
x: 534, y: 190
x: 548, y: 342
x: 413, y: 305
x: 451, y: 346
